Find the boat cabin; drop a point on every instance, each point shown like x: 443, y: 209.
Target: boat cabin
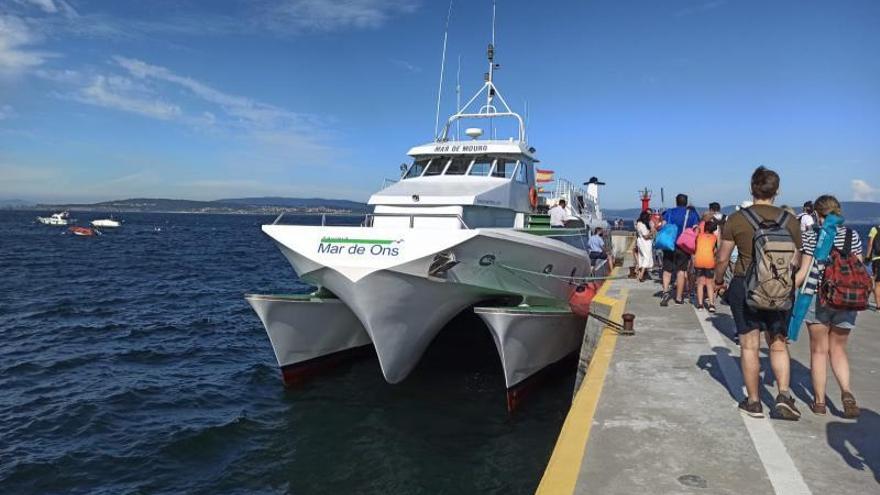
x: 460, y: 184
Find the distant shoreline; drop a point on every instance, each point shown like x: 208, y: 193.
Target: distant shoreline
x: 37, y: 211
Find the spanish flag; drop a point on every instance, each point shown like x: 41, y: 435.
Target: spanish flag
x: 543, y: 176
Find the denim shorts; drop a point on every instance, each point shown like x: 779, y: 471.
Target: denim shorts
x: 840, y: 318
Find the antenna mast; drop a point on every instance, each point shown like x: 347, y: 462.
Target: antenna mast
x: 442, y: 68
x: 458, y: 99
x: 490, y: 92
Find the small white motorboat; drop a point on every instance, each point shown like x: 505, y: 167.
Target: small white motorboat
x: 106, y: 222
x: 57, y: 219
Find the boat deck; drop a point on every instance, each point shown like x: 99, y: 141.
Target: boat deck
x: 657, y: 413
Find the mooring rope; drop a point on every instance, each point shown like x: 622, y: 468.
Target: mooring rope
x: 561, y: 277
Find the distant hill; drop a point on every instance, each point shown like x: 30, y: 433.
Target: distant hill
x: 297, y: 202
x: 15, y: 203
x: 854, y: 211
x: 236, y: 205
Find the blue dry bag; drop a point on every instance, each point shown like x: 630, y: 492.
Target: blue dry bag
x: 666, y: 237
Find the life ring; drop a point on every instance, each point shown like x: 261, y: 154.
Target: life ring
x: 533, y: 197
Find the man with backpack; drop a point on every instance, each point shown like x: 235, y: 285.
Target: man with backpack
x: 874, y: 256
x: 761, y: 293
x: 675, y: 259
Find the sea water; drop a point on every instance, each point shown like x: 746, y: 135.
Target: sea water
x: 130, y: 363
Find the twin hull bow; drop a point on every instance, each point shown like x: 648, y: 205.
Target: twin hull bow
x: 404, y: 285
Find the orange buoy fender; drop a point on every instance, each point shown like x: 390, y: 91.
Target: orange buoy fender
x: 533, y: 197
x: 581, y: 299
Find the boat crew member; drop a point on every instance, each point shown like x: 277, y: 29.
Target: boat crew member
x: 597, y: 247
x: 559, y: 214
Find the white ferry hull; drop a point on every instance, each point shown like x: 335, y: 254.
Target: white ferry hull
x: 384, y: 276
x: 529, y: 340
x: 305, y: 330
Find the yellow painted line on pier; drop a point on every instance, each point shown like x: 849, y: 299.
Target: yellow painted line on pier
x: 562, y: 471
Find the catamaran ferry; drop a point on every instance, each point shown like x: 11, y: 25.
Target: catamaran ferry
x: 464, y: 229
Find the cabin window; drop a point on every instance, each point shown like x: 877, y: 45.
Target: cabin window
x: 436, y: 166
x: 417, y: 168
x: 481, y: 166
x: 503, y: 168
x: 458, y: 166
x: 521, y: 173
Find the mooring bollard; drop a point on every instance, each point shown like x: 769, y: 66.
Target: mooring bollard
x: 628, y: 322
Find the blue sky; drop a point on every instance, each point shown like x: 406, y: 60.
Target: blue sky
x: 105, y: 100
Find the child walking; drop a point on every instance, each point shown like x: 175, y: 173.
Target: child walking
x: 704, y: 264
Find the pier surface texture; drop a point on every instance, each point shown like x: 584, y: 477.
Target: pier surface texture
x: 657, y: 412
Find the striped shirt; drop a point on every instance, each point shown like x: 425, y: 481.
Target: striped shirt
x: 810, y: 238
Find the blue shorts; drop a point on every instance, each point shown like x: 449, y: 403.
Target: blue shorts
x: 840, y: 318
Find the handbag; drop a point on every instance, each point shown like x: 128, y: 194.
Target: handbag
x: 687, y: 241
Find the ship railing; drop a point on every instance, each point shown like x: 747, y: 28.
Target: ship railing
x: 565, y: 189
x: 412, y: 218
x: 369, y: 218
x: 324, y: 217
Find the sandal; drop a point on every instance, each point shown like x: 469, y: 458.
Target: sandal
x: 850, y: 408
x: 818, y: 408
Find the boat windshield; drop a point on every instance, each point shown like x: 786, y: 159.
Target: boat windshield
x: 417, y: 168
x: 458, y: 166
x: 481, y: 166
x: 504, y: 168
x: 436, y: 166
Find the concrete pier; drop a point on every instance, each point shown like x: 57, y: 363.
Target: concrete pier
x: 656, y: 412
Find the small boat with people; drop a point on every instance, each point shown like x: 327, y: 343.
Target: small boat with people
x: 61, y: 218
x: 106, y: 223
x: 464, y: 229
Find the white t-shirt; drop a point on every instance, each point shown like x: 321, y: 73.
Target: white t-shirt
x: 557, y: 216
x: 807, y: 221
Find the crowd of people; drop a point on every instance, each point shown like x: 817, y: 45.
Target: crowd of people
x: 762, y: 261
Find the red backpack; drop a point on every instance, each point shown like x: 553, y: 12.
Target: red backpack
x: 846, y: 284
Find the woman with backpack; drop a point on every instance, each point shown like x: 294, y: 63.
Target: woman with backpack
x: 842, y: 285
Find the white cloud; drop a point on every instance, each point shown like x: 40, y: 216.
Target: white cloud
x: 16, y: 54
x: 121, y: 93
x: 332, y: 15
x: 704, y: 6
x: 403, y: 64
x: 51, y: 6
x: 862, y: 191
x: 241, y: 107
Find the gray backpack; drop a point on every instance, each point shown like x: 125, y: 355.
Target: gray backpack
x: 770, y: 277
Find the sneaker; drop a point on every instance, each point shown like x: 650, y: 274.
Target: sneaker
x: 785, y: 408
x: 711, y: 308
x: 751, y: 409
x: 664, y: 300
x: 850, y: 408
x: 818, y: 408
